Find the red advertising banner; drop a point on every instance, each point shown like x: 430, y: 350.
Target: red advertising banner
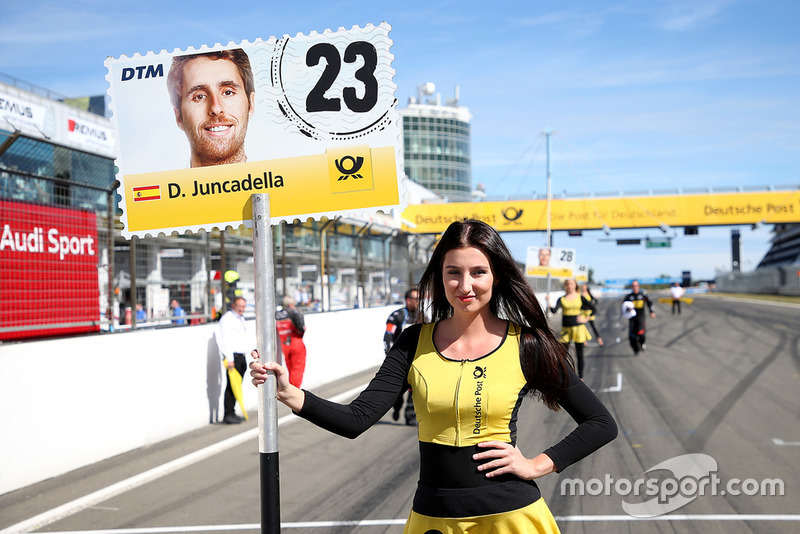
x: 48, y: 271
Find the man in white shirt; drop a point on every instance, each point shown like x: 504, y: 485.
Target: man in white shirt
x: 677, y: 293
x: 234, y: 343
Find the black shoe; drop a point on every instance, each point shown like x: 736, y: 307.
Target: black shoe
x: 239, y: 417
x: 396, y: 414
x: 231, y: 420
x: 411, y: 422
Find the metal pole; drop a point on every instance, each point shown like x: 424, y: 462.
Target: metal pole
x: 132, y: 264
x: 324, y: 302
x: 209, y: 295
x: 111, y: 213
x: 549, y: 192
x: 411, y: 259
x: 283, y: 228
x: 387, y: 266
x: 267, y: 348
x: 549, y: 207
x: 223, y: 284
x: 360, y: 288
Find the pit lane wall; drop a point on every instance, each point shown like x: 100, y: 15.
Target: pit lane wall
x: 783, y: 280
x: 68, y: 403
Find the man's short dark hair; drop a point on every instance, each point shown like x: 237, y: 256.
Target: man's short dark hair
x: 410, y: 291
x: 236, y: 55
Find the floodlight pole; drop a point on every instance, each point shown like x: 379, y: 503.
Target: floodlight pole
x: 549, y: 237
x: 549, y: 192
x: 266, y: 333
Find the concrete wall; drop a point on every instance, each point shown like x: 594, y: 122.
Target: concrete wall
x: 68, y: 403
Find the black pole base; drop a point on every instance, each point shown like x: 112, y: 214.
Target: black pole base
x: 270, y: 493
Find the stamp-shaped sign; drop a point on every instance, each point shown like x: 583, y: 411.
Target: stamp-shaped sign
x: 309, y: 119
x: 557, y: 262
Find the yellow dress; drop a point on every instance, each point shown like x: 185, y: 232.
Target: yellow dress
x: 488, y: 392
x: 571, y: 330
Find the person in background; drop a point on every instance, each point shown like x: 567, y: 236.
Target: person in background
x: 588, y: 313
x: 234, y: 343
x: 677, y: 292
x: 488, y: 345
x: 637, y: 324
x: 291, y: 329
x: 178, y: 315
x: 141, y: 316
x: 395, y: 324
x: 573, y: 321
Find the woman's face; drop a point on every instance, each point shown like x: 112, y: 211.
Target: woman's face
x: 468, y: 280
x: 569, y: 285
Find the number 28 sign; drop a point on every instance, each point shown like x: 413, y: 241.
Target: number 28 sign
x: 309, y: 119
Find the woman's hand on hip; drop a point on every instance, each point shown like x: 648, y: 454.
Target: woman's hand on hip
x: 504, y: 458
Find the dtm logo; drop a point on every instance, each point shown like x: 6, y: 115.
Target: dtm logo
x: 512, y: 214
x: 479, y: 372
x: 142, y: 71
x: 349, y: 166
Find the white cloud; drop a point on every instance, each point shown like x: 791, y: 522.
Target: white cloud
x: 693, y: 14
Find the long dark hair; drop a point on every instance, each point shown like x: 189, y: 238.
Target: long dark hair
x: 544, y: 360
x: 588, y: 291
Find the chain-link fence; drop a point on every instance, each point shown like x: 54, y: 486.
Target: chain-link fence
x: 323, y: 266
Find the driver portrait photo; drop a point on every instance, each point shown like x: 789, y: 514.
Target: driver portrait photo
x: 213, y: 97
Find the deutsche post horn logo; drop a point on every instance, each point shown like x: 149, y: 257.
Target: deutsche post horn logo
x: 512, y: 214
x: 349, y: 167
x: 479, y: 372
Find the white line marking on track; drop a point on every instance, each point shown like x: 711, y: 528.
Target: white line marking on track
x: 390, y: 522
x: 135, y: 481
x: 780, y: 443
x: 613, y: 389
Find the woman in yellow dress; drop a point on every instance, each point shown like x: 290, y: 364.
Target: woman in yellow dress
x: 484, y: 344
x: 585, y: 293
x: 573, y: 321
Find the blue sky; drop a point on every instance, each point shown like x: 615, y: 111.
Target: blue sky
x: 643, y: 96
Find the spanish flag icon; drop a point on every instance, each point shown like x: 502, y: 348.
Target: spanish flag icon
x: 147, y: 192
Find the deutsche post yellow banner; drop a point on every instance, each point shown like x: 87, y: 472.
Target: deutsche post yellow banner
x: 339, y: 180
x: 624, y: 212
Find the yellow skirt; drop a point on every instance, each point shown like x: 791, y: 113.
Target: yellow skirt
x: 534, y: 518
x: 576, y: 334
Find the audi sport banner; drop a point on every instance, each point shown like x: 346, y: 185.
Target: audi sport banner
x: 48, y: 271
x: 309, y: 119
